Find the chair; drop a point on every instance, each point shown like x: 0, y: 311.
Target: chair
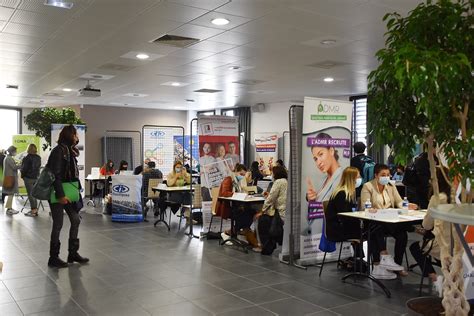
x: 196, y: 203
x: 148, y: 193
x: 215, y: 196
x: 321, y: 265
x: 428, y: 240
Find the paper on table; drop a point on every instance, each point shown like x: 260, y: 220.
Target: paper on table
x: 239, y: 196
x: 411, y: 217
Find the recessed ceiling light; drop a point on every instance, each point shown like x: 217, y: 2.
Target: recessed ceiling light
x: 59, y: 4
x: 142, y: 56
x: 328, y: 79
x: 328, y: 42
x: 67, y: 89
x: 175, y: 84
x: 220, y: 21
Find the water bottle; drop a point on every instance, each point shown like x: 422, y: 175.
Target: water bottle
x: 367, y: 205
x: 405, y: 204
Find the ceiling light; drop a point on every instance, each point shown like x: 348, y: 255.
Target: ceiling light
x: 328, y: 42
x: 175, y: 84
x: 67, y: 89
x: 220, y: 21
x: 328, y: 79
x: 234, y: 67
x: 142, y: 56
x: 59, y: 4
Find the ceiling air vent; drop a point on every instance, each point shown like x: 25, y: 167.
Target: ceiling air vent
x: 249, y: 82
x: 207, y: 90
x: 12, y: 86
x: 116, y: 67
x: 327, y: 64
x: 175, y: 40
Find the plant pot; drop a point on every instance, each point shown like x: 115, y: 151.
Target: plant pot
x: 428, y: 306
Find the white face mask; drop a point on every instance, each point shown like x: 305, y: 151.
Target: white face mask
x: 358, y: 182
x: 384, y: 180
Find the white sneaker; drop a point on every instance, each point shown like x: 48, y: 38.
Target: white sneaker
x: 387, y: 262
x: 438, y: 285
x: 11, y: 211
x: 381, y: 273
x: 225, y: 237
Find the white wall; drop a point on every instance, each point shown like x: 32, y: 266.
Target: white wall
x: 273, y: 119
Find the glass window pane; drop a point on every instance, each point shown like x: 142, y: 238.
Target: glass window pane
x: 8, y: 126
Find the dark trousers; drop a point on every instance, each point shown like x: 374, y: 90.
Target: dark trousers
x: 421, y: 259
x: 379, y: 244
x: 58, y: 216
x: 268, y: 244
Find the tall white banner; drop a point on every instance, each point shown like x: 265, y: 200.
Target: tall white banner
x: 81, y: 160
x: 325, y: 153
x: 266, y: 151
x: 159, y: 146
x: 127, y: 198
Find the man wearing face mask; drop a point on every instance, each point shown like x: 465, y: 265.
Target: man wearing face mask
x: 382, y: 194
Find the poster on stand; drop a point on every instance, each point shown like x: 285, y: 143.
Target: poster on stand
x: 186, y: 145
x: 126, y: 198
x: 81, y: 160
x: 218, y: 150
x: 326, y: 151
x: 159, y: 146
x: 266, y: 151
x: 21, y: 142
x: 212, y: 224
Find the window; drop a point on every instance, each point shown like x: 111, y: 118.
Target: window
x: 207, y: 113
x: 228, y: 112
x: 359, y: 119
x: 10, y: 125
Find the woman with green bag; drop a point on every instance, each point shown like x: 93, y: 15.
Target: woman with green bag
x: 65, y: 196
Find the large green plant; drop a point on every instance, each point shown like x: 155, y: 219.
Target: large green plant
x: 40, y: 120
x: 422, y: 91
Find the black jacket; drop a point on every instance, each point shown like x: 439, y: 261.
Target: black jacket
x: 63, y: 164
x: 30, y: 166
x: 338, y: 228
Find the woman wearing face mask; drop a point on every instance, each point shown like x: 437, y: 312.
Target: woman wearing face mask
x: 326, y: 159
x: 179, y: 177
x: 107, y: 169
x: 10, y: 179
x: 122, y: 167
x: 382, y: 194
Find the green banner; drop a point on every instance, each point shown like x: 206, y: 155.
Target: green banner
x: 328, y: 117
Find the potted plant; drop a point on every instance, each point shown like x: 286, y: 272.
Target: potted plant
x: 422, y: 92
x: 40, y: 120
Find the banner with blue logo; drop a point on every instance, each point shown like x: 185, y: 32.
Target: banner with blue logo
x: 159, y: 146
x: 126, y: 198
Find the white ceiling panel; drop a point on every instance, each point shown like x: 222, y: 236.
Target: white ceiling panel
x: 196, y: 31
x: 223, y: 58
x: 27, y: 49
x: 40, y: 19
x: 175, y: 12
x: 234, y: 21
x: 203, y: 4
x: 6, y: 13
x: 211, y: 46
x: 192, y: 53
x: 234, y: 38
x: 10, y: 3
x: 20, y: 39
x: 249, y: 8
x: 29, y: 30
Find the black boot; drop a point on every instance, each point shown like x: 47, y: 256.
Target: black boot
x: 74, y: 256
x: 54, y: 260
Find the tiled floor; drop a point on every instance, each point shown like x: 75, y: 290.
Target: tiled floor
x: 137, y: 269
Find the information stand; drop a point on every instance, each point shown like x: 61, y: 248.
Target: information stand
x: 126, y: 198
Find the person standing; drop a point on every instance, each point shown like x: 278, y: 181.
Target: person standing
x: 30, y: 169
x: 10, y: 179
x: 359, y: 161
x: 63, y: 164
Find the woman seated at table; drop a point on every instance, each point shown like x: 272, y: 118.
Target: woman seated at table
x: 122, y: 167
x: 275, y: 201
x: 178, y: 177
x: 254, y: 175
x: 244, y: 218
x: 429, y: 245
x: 107, y: 169
x: 382, y: 194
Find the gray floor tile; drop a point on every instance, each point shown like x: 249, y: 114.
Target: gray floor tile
x: 261, y: 295
x: 5, y: 297
x: 193, y: 292
x: 221, y: 303
x: 10, y: 309
x: 43, y: 304
x: 295, y: 288
x: 236, y: 284
x: 71, y: 310
x: 268, y: 278
x: 327, y: 299
x: 155, y: 299
x: 248, y: 311
x: 182, y: 308
x: 35, y: 291
x: 291, y: 307
x: 363, y: 308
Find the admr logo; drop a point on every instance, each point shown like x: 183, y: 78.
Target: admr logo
x: 120, y: 188
x: 157, y: 134
x: 325, y: 108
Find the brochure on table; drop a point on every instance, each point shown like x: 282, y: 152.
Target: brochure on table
x: 81, y: 160
x: 127, y: 198
x: 266, y: 151
x: 326, y: 151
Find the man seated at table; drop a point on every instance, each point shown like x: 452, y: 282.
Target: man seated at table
x: 178, y: 177
x: 244, y: 217
x: 150, y: 172
x: 382, y: 195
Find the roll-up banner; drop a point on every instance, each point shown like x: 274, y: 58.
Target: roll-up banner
x: 218, y: 150
x: 159, y: 146
x: 126, y: 198
x: 266, y: 151
x: 81, y: 160
x: 325, y: 153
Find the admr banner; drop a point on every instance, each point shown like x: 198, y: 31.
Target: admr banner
x: 325, y: 153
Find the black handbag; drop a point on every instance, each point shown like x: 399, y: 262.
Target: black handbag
x: 276, y: 228
x: 44, y: 185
